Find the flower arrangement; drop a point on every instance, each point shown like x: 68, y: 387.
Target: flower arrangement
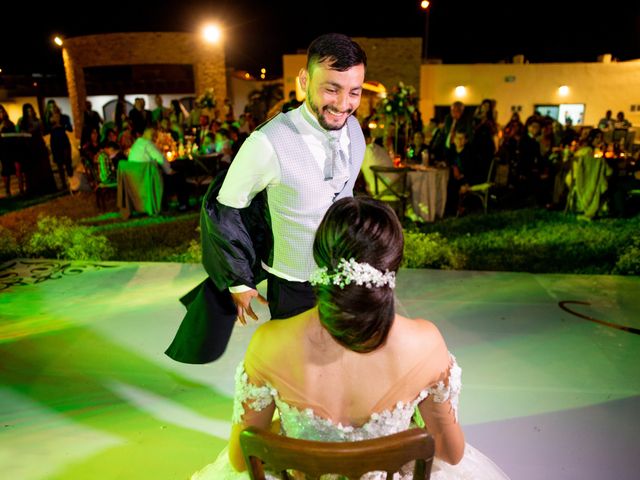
x: 207, y: 99
x: 398, y: 106
x: 166, y: 144
x: 401, y: 101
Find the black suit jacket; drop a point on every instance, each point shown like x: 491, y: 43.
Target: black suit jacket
x: 234, y: 243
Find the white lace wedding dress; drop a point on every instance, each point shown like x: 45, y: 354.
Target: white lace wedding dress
x: 304, y: 423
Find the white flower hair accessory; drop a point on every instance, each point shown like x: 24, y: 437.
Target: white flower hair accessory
x: 350, y: 271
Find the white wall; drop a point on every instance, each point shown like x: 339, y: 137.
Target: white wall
x: 600, y: 86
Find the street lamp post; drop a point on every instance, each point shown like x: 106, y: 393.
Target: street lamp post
x: 424, y: 5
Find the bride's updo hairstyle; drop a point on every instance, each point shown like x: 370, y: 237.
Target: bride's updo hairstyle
x: 368, y: 231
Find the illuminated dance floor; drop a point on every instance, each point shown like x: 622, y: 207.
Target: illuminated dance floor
x: 87, y: 393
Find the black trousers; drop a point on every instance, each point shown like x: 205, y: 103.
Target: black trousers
x: 287, y: 298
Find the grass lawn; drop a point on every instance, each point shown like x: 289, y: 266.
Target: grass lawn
x: 525, y: 240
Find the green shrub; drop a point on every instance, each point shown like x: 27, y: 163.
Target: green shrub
x: 59, y: 237
x: 192, y: 255
x: 628, y: 262
x: 429, y: 251
x: 152, y: 239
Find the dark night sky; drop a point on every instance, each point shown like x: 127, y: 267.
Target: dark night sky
x: 259, y: 32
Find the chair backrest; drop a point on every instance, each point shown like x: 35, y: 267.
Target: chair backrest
x: 91, y: 173
x: 351, y: 459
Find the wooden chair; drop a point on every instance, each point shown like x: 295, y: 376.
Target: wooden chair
x: 205, y: 168
x: 99, y: 188
x: 391, y: 186
x: 351, y: 459
x: 482, y: 190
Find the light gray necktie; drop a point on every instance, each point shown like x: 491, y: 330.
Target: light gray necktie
x: 337, y: 157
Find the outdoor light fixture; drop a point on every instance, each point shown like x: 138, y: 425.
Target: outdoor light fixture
x: 57, y: 40
x: 460, y: 91
x: 563, y: 91
x: 424, y: 5
x: 212, y: 33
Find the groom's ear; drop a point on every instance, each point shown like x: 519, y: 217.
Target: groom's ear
x: 303, y: 77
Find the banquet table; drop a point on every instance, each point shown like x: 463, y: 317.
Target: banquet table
x: 428, y: 187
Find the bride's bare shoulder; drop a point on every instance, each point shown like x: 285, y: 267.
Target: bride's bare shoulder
x: 418, y: 332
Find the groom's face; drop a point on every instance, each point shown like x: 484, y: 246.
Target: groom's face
x: 332, y: 95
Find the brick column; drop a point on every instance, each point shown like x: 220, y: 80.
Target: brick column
x: 77, y: 90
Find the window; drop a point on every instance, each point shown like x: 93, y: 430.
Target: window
x: 573, y: 111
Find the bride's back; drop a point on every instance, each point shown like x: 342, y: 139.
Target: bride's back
x: 310, y: 370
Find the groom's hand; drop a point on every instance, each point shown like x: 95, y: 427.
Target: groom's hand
x: 243, y: 303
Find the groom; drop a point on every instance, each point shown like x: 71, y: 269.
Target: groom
x: 260, y: 220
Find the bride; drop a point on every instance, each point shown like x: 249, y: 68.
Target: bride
x: 351, y: 368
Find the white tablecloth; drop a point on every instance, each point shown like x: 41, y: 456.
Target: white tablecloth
x: 429, y: 192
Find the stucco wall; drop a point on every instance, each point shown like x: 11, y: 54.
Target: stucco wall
x: 600, y: 86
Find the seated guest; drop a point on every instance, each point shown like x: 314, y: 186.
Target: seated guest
x: 144, y: 150
x: 371, y: 368
x: 417, y: 152
x: 463, y: 171
x: 620, y: 186
x: 125, y: 137
x: 109, y: 162
x: 589, y: 176
x: 208, y: 144
x: 109, y: 134
x: 374, y: 155
x: 92, y: 147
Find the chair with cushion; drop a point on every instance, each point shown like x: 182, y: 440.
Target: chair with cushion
x: 140, y: 188
x: 276, y: 453
x: 391, y: 186
x: 483, y: 190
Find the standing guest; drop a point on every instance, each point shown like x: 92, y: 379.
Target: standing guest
x: 621, y: 122
x: 120, y: 113
x: 454, y: 120
x: 303, y: 161
x: 36, y: 167
x: 484, y: 139
x: 606, y: 123
x: 160, y: 112
x: 355, y: 369
x: 60, y: 144
x: 140, y: 117
x: 514, y: 128
x: 90, y: 119
x: 46, y: 118
x: 9, y: 154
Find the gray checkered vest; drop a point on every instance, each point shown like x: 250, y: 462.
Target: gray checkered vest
x: 298, y: 203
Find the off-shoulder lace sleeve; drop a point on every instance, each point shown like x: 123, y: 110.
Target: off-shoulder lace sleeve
x: 443, y: 391
x: 249, y: 395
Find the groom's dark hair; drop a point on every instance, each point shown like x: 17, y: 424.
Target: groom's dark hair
x: 340, y: 50
x: 368, y: 231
